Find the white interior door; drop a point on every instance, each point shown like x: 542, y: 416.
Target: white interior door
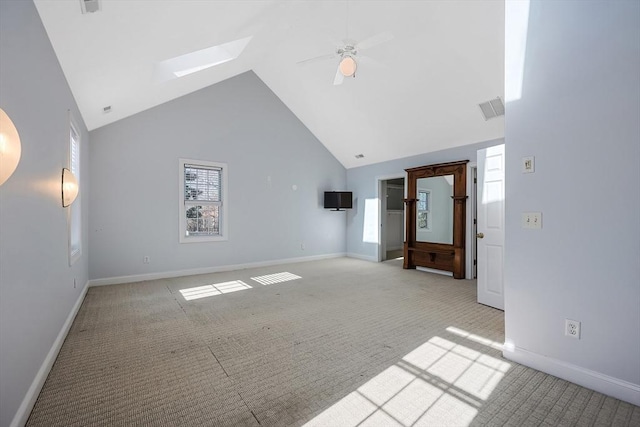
x: 490, y: 230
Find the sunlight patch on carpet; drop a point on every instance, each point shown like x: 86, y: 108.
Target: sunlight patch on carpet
x: 214, y: 289
x: 271, y: 279
x: 475, y: 338
x: 439, y: 383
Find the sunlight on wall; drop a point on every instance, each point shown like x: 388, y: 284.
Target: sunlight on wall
x: 270, y: 279
x: 509, y: 346
x: 516, y: 27
x: 493, y: 186
x: 215, y: 289
x: 439, y: 383
x: 370, y: 226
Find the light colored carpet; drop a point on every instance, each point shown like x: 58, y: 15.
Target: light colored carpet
x: 338, y: 342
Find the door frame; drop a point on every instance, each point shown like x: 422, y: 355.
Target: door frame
x: 382, y: 207
x: 472, y: 207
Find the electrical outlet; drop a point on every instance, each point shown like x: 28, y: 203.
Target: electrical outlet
x: 572, y: 328
x: 146, y: 260
x: 532, y: 220
x: 302, y: 246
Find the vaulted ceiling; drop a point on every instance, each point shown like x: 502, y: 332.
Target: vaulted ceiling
x: 418, y: 92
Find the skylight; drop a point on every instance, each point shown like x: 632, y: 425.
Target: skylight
x: 199, y: 60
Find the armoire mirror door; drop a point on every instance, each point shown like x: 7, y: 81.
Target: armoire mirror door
x: 435, y: 215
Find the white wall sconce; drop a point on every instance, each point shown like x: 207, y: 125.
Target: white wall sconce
x: 10, y: 147
x: 69, y: 187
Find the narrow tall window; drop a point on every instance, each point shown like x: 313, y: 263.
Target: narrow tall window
x: 203, y: 197
x: 424, y: 210
x: 75, y: 213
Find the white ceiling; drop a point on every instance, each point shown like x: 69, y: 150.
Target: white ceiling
x: 417, y: 93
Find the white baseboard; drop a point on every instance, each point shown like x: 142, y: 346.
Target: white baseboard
x: 206, y: 270
x: 362, y: 257
x: 601, y: 383
x: 22, y: 415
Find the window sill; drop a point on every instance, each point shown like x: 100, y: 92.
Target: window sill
x: 202, y: 239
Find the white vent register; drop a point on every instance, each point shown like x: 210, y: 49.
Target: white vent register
x: 89, y: 6
x: 492, y: 109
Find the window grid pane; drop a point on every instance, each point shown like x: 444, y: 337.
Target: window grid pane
x: 423, y: 201
x: 202, y: 184
x: 423, y: 219
x: 203, y: 219
x: 423, y: 210
x: 75, y: 224
x: 75, y: 155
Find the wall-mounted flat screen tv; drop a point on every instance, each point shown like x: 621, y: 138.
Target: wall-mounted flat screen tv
x: 338, y: 200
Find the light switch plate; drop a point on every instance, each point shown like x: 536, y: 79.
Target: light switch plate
x: 528, y: 164
x: 532, y: 220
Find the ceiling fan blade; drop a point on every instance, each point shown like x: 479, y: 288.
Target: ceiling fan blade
x: 339, y: 77
x: 318, y: 58
x: 371, y: 63
x: 375, y: 40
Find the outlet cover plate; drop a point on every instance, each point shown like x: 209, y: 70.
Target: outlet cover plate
x: 532, y: 220
x: 572, y: 328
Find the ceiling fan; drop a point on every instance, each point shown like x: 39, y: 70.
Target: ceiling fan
x: 349, y: 53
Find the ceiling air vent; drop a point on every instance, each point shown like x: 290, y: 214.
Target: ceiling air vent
x: 89, y: 6
x: 492, y: 109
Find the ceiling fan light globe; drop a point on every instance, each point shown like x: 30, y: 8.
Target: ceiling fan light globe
x: 348, y: 66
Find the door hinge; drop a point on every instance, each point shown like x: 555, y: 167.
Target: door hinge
x: 475, y: 180
x: 475, y: 221
x: 475, y: 262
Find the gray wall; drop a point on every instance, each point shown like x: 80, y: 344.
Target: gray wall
x: 36, y: 282
x: 578, y: 116
x: 363, y: 182
x: 134, y: 169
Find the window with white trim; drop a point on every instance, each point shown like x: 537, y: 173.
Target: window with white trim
x: 75, y: 210
x: 203, y: 207
x: 424, y: 210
